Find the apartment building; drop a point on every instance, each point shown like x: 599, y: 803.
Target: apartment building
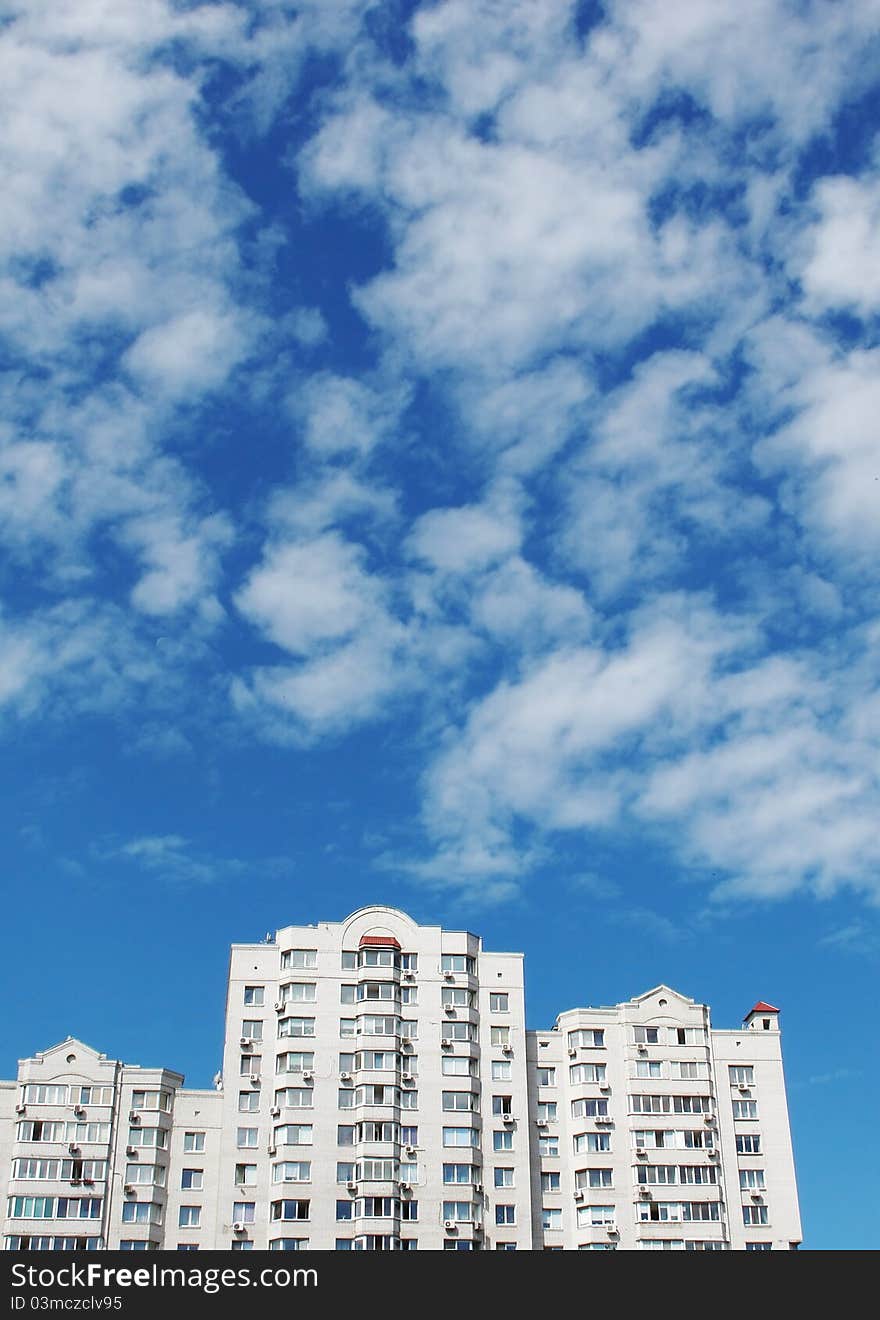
x: 379, y: 1091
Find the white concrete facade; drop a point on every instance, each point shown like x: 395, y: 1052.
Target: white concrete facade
x: 379, y: 1091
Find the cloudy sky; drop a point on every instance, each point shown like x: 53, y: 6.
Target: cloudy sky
x: 439, y: 465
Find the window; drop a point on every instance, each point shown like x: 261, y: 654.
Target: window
x: 293, y: 1134
x: 377, y: 1024
x: 243, y: 1212
x: 502, y: 1141
x: 252, y: 1028
x: 460, y: 1136
x: 460, y: 1212
x: 459, y: 1173
x: 505, y: 1214
x: 409, y: 1029
x: 289, y: 1210
x: 741, y: 1075
x: 409, y: 994
x: 345, y: 1171
x: 751, y: 1180
x: 592, y: 1141
x: 296, y: 1062
x: 141, y: 1212
x: 347, y: 1026
x: 347, y: 994
x: 458, y: 962
x: 595, y: 1216
x: 345, y: 1098
x: 458, y: 1100
x: 299, y: 958
x: 548, y: 1147
x: 296, y: 1026
x: 502, y: 1104
x: 689, y: 1036
x: 193, y: 1141
x: 299, y: 992
x: 590, y: 1108
x: 549, y: 1182
x: 688, y: 1068
x: 369, y: 990
x: 646, y: 1035
x: 378, y: 958
x: 254, y: 994
x: 293, y: 1171
x: 499, y: 1036
x: 151, y: 1100
x: 647, y: 1068
x: 192, y: 1179
x: 505, y: 1246
x: 452, y: 1065
x: 584, y: 1178
x: 453, y: 996
x: 588, y: 1038
x: 551, y: 1218
x: 759, y: 1246
x: 546, y: 1076
x: 45, y: 1095
x: 748, y: 1143
x: 245, y: 1175
x: 291, y: 1244
x: 247, y: 1136
x: 546, y: 1110
x: 459, y: 1031
x: 499, y: 1003
x: 248, y: 1102
x: 589, y: 1072
x: 344, y: 1210
x: 502, y: 1070
x: 409, y: 962
x: 755, y: 1214
x: 409, y: 1136
x: 678, y: 1211
x: 504, y: 1177
x: 349, y: 960
x: 249, y: 1064
x: 189, y: 1216
x: 295, y: 1097
x: 745, y: 1109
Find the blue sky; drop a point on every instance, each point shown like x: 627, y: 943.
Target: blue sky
x: 440, y: 466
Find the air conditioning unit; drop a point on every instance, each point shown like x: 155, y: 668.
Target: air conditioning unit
x: 445, y: 1044
x: 79, y: 1111
x: 308, y: 1076
x: 642, y: 1047
x: 406, y: 1077
x: 757, y: 1196
x: 129, y: 1150
x: 641, y: 1152
x: 405, y: 1187
x: 255, y: 1079
x: 542, y: 1122
x: 279, y: 1005
x: 579, y: 1196
x: 21, y: 1109
x: 508, y: 1118
x: 604, y: 1086
x: 406, y: 1045
x: 409, y: 976
x: 449, y: 1009
x: 645, y: 1193
x: 352, y: 1186
x: 450, y: 1225
x: 238, y: 1228
x: 713, y: 1154
x: 449, y: 976
x: 134, y: 1117
x: 743, y: 1086
x: 612, y: 1230
x: 272, y: 1150
x: 245, y: 1042
x: 410, y: 1150
x: 572, y: 1053
x: 73, y: 1148
x: 604, y: 1118
x: 275, y: 1111
x: 709, y: 1118
x: 343, y: 1077
x: 478, y: 1187
x: 506, y: 1049
x: 128, y: 1189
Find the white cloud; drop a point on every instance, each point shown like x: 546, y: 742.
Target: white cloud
x: 842, y: 265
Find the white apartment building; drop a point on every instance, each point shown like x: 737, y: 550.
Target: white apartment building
x: 379, y: 1091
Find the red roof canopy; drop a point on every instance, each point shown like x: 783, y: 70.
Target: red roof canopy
x: 761, y: 1007
x: 387, y: 941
